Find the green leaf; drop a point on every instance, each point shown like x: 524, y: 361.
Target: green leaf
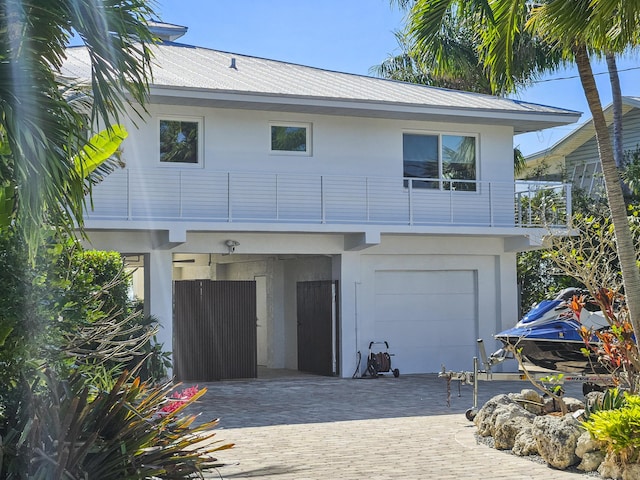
x: 99, y: 148
x: 6, y: 205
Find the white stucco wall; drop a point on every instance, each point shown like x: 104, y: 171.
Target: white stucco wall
x: 238, y: 140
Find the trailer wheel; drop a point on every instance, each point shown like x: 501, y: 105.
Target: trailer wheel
x: 470, y: 414
x: 396, y: 372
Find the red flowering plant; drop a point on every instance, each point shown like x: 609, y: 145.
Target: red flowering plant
x: 614, y: 347
x: 180, y: 399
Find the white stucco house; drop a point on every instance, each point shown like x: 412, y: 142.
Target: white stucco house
x: 287, y: 216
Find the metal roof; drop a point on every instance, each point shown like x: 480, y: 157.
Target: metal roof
x: 203, y: 76
x: 581, y: 135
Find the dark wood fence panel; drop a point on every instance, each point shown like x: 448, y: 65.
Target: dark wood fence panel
x: 214, y: 330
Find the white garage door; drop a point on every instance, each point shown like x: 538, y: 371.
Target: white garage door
x: 428, y: 317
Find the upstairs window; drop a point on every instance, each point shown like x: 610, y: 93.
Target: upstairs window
x: 291, y: 138
x: 180, y: 141
x: 439, y: 159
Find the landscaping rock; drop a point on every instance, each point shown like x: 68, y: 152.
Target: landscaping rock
x: 610, y: 467
x: 509, y: 421
x: 550, y: 405
x: 591, y: 461
x: 556, y: 439
x: 589, y: 450
x: 525, y: 444
x: 530, y: 400
x: 631, y: 472
x: 593, y: 398
x: 485, y: 419
x: 587, y: 444
x: 573, y: 404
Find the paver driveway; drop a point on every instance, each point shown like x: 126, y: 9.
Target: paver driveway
x: 308, y: 427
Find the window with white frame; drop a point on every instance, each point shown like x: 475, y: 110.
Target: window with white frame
x: 437, y: 160
x: 180, y: 140
x: 290, y: 138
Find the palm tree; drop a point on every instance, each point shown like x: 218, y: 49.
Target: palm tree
x: 576, y: 29
x: 40, y: 130
x: 451, y: 58
x: 454, y: 64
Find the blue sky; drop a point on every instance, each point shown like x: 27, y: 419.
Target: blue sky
x: 352, y: 36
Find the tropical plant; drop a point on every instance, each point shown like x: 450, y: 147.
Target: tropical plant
x: 452, y: 56
x: 132, y: 431
x: 610, y: 399
x: 40, y: 128
x: 618, y: 429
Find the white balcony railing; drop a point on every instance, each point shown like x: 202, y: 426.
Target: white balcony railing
x: 292, y: 198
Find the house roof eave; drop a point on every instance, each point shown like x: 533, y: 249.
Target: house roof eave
x: 521, y: 121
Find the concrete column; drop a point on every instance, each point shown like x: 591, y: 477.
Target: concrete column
x: 159, y: 293
x: 349, y: 284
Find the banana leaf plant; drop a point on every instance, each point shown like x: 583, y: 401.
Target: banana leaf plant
x: 91, y: 164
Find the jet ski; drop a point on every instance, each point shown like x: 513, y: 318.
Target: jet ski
x: 548, y: 335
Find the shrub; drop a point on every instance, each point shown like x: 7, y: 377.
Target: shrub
x: 618, y: 429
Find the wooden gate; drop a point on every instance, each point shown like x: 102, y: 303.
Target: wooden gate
x: 317, y: 327
x: 214, y: 330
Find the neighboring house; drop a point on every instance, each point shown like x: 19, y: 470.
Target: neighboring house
x: 575, y: 157
x: 288, y: 216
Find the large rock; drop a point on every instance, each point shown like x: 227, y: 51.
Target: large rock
x: 590, y: 451
x: 525, y: 444
x: 610, y: 467
x: 531, y: 400
x: 631, y: 472
x: 573, y: 404
x: 485, y: 418
x: 552, y: 405
x: 556, y: 439
x: 587, y: 444
x: 509, y: 421
x: 591, y: 461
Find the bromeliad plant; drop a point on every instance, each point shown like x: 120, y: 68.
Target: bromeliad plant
x: 69, y: 431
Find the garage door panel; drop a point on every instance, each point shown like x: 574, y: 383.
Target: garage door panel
x: 411, y: 334
x: 413, y: 306
x: 420, y: 307
x: 440, y: 282
x: 429, y: 318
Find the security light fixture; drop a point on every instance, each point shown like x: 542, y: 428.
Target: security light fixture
x: 231, y: 245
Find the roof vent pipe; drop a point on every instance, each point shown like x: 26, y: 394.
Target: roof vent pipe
x: 233, y: 64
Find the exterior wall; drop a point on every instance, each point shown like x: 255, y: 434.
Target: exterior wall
x: 353, y: 177
x: 588, y: 152
x: 238, y: 140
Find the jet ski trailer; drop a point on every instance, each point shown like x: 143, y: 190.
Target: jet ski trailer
x: 485, y: 374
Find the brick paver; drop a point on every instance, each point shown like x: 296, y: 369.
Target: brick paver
x: 308, y: 427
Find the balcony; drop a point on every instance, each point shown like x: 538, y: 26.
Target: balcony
x: 179, y: 195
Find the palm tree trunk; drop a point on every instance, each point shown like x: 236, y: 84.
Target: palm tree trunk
x: 616, y: 94
x: 624, y: 241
